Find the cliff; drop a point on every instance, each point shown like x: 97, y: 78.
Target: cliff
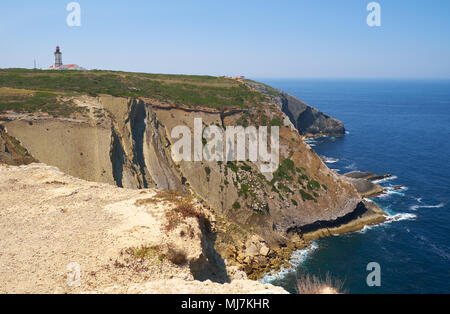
x: 119, y: 238
x: 307, y: 120
x: 126, y: 141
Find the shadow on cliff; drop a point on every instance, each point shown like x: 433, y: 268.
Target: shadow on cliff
x: 211, y: 266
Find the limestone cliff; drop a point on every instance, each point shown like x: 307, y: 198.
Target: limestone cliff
x: 308, y: 120
x: 261, y: 217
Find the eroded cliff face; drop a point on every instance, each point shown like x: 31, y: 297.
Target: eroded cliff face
x: 11, y: 152
x: 308, y: 120
x: 261, y: 218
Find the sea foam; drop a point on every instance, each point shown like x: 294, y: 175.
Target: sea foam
x: 329, y: 160
x: 416, y: 207
x: 297, y: 258
x: 385, y: 180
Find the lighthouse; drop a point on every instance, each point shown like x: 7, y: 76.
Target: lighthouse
x: 58, y: 58
x: 58, y: 64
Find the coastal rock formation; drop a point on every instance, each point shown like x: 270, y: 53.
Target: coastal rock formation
x: 307, y: 120
x: 364, y: 182
x: 261, y: 218
x: 119, y: 238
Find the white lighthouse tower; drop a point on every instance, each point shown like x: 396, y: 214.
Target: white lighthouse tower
x: 58, y: 64
x: 58, y: 58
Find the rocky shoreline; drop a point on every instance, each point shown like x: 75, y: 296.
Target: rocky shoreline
x: 366, y: 183
x: 258, y: 259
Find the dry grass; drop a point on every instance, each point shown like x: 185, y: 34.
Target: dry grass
x: 146, y: 252
x: 157, y: 253
x: 184, y: 207
x: 6, y: 91
x: 161, y: 196
x: 307, y: 284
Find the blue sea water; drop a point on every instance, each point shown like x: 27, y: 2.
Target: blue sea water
x: 401, y: 127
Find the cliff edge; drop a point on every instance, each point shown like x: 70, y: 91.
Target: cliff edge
x: 121, y: 241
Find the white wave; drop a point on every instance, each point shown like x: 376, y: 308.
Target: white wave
x: 366, y: 228
x: 391, y: 191
x: 352, y: 166
x: 400, y: 217
x: 296, y: 259
x: 390, y: 219
x: 329, y: 160
x: 416, y: 207
x: 385, y: 180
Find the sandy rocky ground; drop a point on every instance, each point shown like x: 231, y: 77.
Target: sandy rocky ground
x: 51, y: 222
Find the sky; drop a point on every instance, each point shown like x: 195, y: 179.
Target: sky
x: 255, y: 38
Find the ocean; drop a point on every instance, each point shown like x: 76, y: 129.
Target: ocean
x: 400, y: 127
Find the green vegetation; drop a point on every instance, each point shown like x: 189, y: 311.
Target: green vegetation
x: 284, y: 170
x: 232, y: 166
x: 245, y: 189
x: 316, y: 185
x: 147, y: 252
x: 306, y: 196
x: 236, y: 205
x: 27, y: 102
x: 284, y: 188
x: 276, y: 122
x: 187, y: 90
x: 294, y: 202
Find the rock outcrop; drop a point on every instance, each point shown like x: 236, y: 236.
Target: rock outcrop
x: 11, y: 152
x: 307, y: 120
x: 119, y: 239
x: 365, y: 182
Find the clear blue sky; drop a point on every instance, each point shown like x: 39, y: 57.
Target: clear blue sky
x: 256, y: 38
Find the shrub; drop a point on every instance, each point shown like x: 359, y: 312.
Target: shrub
x: 236, y: 205
x: 184, y: 208
x: 307, y: 284
x: 276, y: 122
x: 147, y: 252
x: 245, y: 189
x: 232, y: 166
x: 315, y: 184
x: 282, y: 173
x: 306, y: 196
